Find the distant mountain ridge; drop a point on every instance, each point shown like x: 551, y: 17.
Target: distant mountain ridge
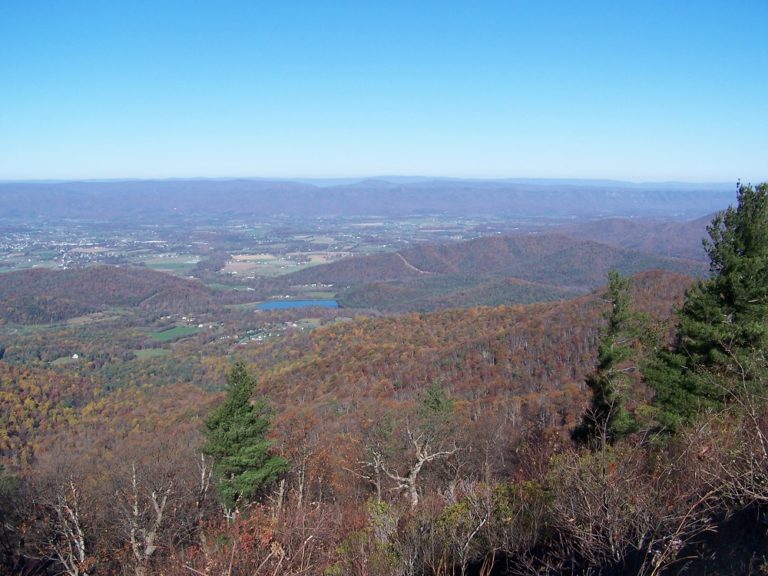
x: 157, y: 199
x: 665, y: 238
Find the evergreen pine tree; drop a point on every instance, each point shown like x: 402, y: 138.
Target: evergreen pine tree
x: 236, y: 439
x: 607, y: 418
x: 722, y: 329
x: 435, y: 412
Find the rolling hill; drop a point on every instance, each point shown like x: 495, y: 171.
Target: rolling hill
x: 668, y: 238
x: 41, y: 295
x: 488, y: 270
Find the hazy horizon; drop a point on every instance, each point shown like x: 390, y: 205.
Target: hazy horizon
x: 391, y: 178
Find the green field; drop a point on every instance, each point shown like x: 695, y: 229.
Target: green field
x: 179, y: 265
x: 229, y: 287
x: 316, y: 295
x: 174, y: 333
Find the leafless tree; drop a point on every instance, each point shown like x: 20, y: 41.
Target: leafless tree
x: 142, y: 511
x: 371, y: 470
x: 423, y: 453
x: 66, y: 541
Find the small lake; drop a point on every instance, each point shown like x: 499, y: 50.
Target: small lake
x: 288, y: 304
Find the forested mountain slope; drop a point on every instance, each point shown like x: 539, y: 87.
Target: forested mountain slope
x: 445, y: 291
x: 528, y: 362
x: 666, y: 238
x: 520, y: 367
x: 511, y: 383
x: 547, y: 259
x: 488, y: 270
x: 551, y: 259
x: 41, y: 295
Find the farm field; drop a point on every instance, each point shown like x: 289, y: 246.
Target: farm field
x: 179, y: 265
x: 271, y: 265
x: 176, y: 333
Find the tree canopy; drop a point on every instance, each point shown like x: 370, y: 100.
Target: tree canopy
x: 608, y: 418
x: 236, y: 434
x: 722, y: 329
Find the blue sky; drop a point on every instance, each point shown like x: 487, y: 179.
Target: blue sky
x: 642, y: 91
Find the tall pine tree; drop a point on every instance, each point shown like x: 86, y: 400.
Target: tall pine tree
x: 236, y: 439
x: 621, y: 342
x: 722, y: 332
